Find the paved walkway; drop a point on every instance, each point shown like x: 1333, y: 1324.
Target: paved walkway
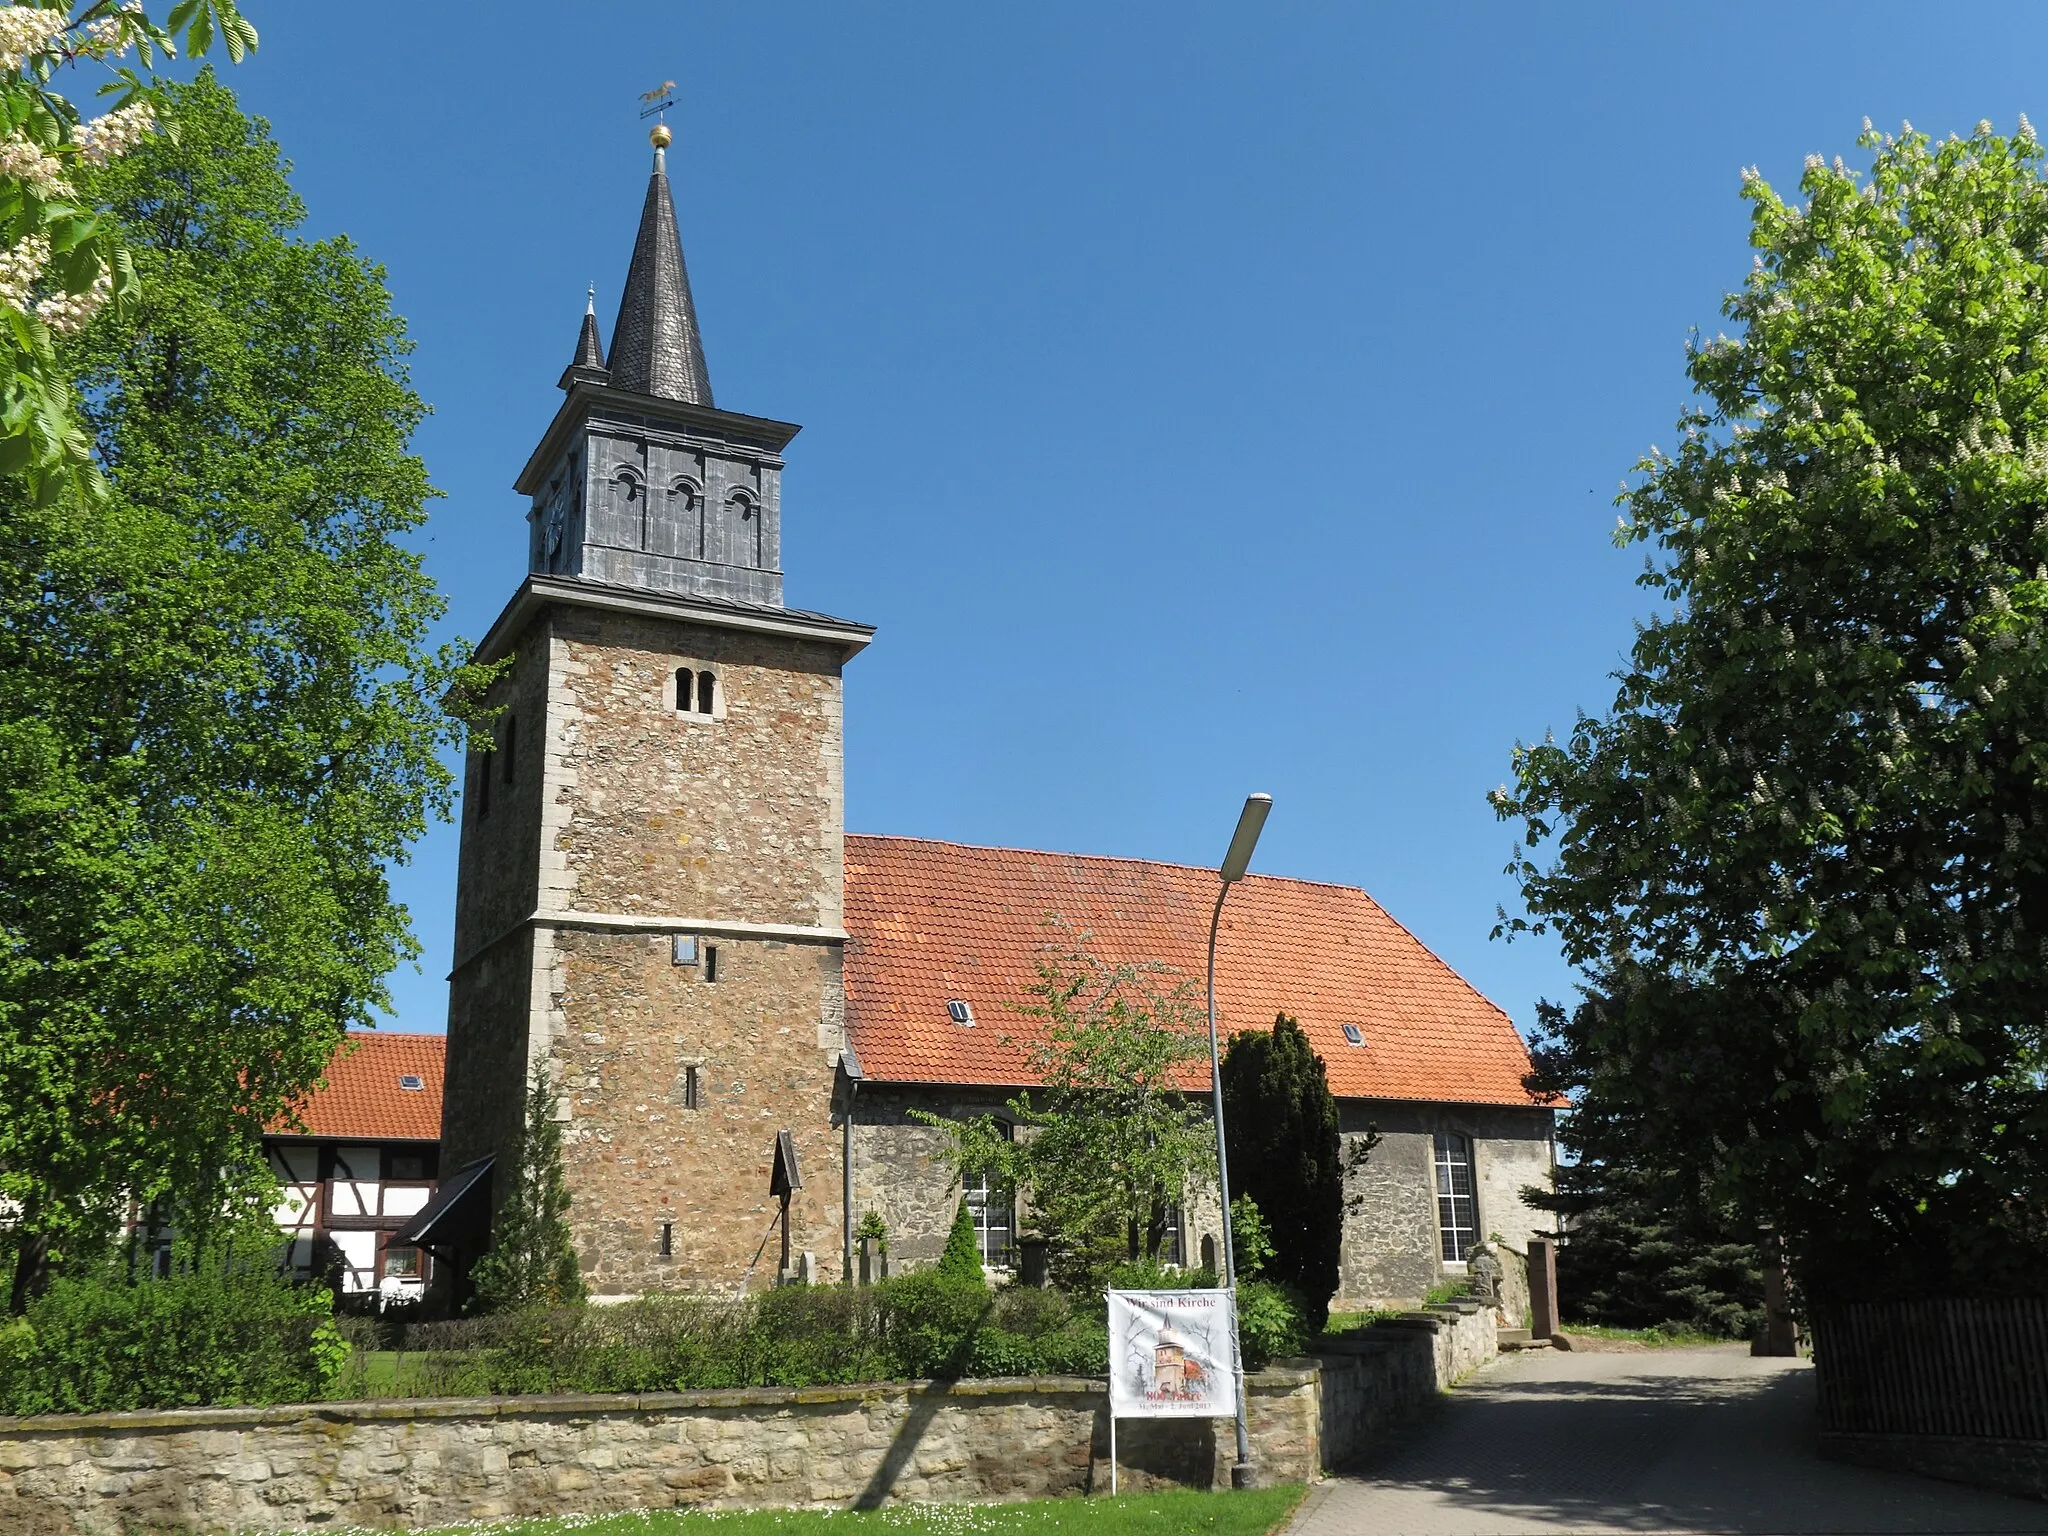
x: 1671, y: 1441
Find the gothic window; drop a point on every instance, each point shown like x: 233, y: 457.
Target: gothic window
x: 744, y: 526
x: 686, y: 517
x: 1457, y: 1208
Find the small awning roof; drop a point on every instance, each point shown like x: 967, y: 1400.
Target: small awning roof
x: 458, y: 1215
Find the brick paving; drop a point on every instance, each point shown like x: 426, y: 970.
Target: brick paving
x: 1666, y: 1443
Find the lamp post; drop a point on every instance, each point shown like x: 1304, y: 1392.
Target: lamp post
x: 1250, y: 822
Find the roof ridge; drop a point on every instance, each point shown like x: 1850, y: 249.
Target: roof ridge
x: 1118, y: 858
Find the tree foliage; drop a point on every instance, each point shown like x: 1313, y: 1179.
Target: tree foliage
x: 62, y: 256
x: 532, y: 1258
x: 1286, y: 1156
x: 219, y: 717
x: 1649, y: 1246
x: 1111, y: 1141
x: 1803, y: 859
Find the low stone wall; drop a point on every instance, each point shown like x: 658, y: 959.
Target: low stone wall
x: 1384, y: 1375
x: 2011, y: 1466
x: 408, y: 1464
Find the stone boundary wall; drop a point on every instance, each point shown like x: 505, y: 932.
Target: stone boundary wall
x: 405, y: 1464
x: 2010, y: 1466
x: 1387, y: 1374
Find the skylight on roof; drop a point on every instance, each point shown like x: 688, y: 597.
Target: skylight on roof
x: 959, y: 1012
x: 1354, y: 1034
x: 412, y: 1082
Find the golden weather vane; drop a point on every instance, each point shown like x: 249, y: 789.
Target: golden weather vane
x: 653, y: 104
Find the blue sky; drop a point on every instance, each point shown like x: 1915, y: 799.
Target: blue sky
x: 1199, y: 398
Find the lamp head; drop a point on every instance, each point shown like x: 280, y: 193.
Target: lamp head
x: 1250, y: 822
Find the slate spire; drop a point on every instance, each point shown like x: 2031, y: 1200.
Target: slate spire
x: 656, y: 348
x: 588, y: 364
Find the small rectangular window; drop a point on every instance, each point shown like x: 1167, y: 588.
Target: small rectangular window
x: 684, y: 949
x: 959, y: 1012
x: 1354, y: 1035
x: 691, y: 1088
x: 711, y: 962
x: 668, y: 1239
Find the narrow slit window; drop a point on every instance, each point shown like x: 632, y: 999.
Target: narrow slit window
x: 668, y: 1239
x: 483, y: 785
x: 691, y: 1087
x: 707, y: 693
x: 711, y: 962
x: 508, y: 749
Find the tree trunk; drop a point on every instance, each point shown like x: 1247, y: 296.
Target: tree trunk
x: 31, y: 1272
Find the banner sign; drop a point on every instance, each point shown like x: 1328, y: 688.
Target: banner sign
x: 1170, y: 1355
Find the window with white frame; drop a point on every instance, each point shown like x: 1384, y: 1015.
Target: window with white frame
x: 993, y: 1205
x: 1457, y: 1209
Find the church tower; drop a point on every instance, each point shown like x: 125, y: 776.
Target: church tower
x: 650, y: 897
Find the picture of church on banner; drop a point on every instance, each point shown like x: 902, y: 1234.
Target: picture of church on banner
x: 1170, y: 1355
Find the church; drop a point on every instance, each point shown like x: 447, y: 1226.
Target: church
x: 739, y: 1003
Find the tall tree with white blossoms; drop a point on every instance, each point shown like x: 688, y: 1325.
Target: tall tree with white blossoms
x: 1803, y: 859
x: 61, y: 259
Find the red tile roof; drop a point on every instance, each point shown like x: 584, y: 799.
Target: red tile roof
x: 937, y: 921
x: 360, y: 1098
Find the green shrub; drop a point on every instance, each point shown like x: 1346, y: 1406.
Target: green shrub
x: 1271, y: 1323
x: 100, y: 1343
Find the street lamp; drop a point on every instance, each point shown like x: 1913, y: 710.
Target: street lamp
x: 1250, y: 822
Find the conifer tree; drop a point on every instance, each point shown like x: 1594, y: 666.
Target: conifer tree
x: 1280, y: 1120
x: 532, y: 1261
x: 962, y: 1258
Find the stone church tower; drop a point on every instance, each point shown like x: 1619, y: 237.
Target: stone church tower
x: 650, y: 898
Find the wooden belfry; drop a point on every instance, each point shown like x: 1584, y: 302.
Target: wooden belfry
x: 782, y: 1183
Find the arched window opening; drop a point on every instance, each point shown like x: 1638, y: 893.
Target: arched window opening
x: 745, y: 527
x: 686, y: 690
x: 707, y: 693
x: 686, y: 516
x: 1457, y: 1207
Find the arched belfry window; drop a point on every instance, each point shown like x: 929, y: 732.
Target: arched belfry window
x: 745, y: 527
x: 686, y: 516
x: 626, y: 508
x: 707, y: 693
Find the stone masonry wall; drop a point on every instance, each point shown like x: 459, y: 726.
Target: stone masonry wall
x: 413, y: 1464
x: 739, y: 817
x: 762, y: 1040
x: 637, y: 821
x: 1392, y: 1253
x: 735, y: 818
x: 1379, y: 1378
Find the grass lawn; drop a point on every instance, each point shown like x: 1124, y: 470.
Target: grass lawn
x: 1253, y: 1512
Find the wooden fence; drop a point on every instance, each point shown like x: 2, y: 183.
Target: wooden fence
x: 1977, y: 1369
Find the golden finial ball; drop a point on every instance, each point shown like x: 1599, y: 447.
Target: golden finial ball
x: 660, y: 136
